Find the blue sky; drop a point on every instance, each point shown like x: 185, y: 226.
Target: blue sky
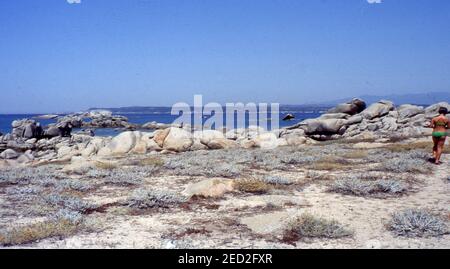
x: 57, y: 57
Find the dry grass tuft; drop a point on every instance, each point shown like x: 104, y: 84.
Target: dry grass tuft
x: 38, y: 231
x: 253, y: 186
x: 330, y: 164
x: 319, y: 176
x: 308, y: 226
x: 151, y: 161
x: 356, y: 154
x: 421, y: 145
x: 403, y: 166
x: 417, y: 223
x: 358, y: 187
x: 105, y: 165
x: 345, y: 141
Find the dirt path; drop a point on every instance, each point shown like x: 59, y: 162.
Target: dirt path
x: 368, y: 216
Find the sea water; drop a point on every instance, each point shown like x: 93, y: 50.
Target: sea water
x: 162, y: 116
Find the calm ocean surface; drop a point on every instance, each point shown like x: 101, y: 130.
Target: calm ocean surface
x: 141, y: 118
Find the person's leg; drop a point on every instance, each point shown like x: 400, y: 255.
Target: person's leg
x: 440, y: 147
x: 435, y: 146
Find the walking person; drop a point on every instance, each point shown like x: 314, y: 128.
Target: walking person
x: 440, y: 125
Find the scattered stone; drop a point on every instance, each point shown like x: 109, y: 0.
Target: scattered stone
x: 9, y: 154
x: 288, y: 117
x: 209, y: 188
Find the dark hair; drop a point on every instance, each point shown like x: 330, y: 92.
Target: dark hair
x: 443, y: 110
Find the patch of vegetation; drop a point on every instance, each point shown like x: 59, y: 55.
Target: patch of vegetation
x: 252, y: 186
x: 63, y: 224
x: 27, y: 175
x: 276, y: 180
x: 105, y: 165
x: 405, y: 147
x: 144, y: 199
x: 202, y: 167
x: 356, y: 154
x: 403, y: 165
x: 417, y: 223
x: 76, y: 185
x: 402, y: 138
x: 123, y: 178
x: 23, y: 191
x: 308, y: 226
x: 318, y: 176
x: 346, y: 141
x: 330, y: 164
x: 152, y: 161
x: 69, y: 202
x: 298, y: 158
x: 359, y: 187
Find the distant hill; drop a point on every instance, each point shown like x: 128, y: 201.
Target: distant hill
x: 166, y: 110
x: 423, y: 99
x: 134, y: 109
x: 399, y: 99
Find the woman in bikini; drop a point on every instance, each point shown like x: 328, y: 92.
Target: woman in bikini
x: 440, y: 124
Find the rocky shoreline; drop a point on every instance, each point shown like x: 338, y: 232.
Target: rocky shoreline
x: 30, y: 143
x: 356, y: 177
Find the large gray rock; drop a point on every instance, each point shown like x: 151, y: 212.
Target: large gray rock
x: 52, y: 131
x: 378, y: 109
x: 322, y: 127
x: 353, y: 107
x: 206, y: 136
x: 355, y: 119
x: 266, y: 141
x: 213, y: 139
x: 26, y: 128
x: 408, y: 111
x: 178, y: 140
x: 432, y: 111
x: 221, y: 143
x: 32, y: 131
x: 9, y: 154
x: 75, y: 120
x: 334, y: 116
x: 121, y: 144
x: 160, y: 136
x: 389, y: 124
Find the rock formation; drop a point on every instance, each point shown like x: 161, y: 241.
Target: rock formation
x: 29, y: 142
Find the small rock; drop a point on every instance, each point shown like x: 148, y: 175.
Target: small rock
x: 9, y: 154
x: 209, y: 188
x: 266, y: 141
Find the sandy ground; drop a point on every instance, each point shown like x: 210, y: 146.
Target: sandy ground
x: 240, y: 220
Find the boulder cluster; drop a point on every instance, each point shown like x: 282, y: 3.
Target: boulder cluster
x: 97, y: 119
x: 379, y: 120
